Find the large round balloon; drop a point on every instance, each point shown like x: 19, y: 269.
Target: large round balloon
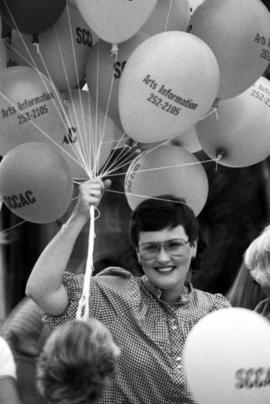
x: 36, y: 182
x: 193, y: 4
x: 167, y: 170
x: 169, y: 82
x: 90, y: 136
x: 238, y: 32
x: 239, y: 131
x: 31, y: 16
x: 62, y: 50
x: 226, y: 358
x: 168, y: 15
x: 103, y: 72
x: 30, y: 108
x: 116, y: 21
x: 188, y: 140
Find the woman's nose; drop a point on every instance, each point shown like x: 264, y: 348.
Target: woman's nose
x: 163, y: 255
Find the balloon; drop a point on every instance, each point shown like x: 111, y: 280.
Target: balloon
x: 167, y: 170
x: 88, y: 141
x: 169, y: 82
x: 35, y: 182
x: 109, y: 72
x: 63, y: 49
x: 239, y: 132
x: 118, y: 20
x: 188, y: 140
x: 168, y: 15
x: 30, y: 108
x: 31, y: 16
x: 194, y: 4
x: 226, y: 358
x: 240, y: 40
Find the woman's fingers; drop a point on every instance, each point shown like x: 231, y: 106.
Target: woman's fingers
x: 92, y: 190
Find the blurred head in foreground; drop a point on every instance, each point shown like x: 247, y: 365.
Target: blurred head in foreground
x: 77, y: 363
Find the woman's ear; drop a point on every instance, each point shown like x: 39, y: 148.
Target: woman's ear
x: 138, y: 256
x: 194, y: 249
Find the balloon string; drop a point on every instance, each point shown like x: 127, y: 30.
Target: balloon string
x: 78, y: 147
x: 168, y: 16
x: 145, y: 196
x: 127, y: 159
x: 14, y: 226
x: 113, y: 159
x: 83, y: 306
x: 95, y: 137
x: 173, y: 166
x: 106, y: 114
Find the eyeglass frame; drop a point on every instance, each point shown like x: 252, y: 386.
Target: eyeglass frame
x: 162, y: 245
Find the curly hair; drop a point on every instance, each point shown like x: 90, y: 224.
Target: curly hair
x: 77, y: 362
x: 257, y: 258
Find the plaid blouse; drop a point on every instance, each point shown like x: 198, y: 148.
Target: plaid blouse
x: 150, y: 333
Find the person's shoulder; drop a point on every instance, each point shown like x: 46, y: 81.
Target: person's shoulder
x: 216, y: 299
x: 116, y: 278
x: 115, y: 271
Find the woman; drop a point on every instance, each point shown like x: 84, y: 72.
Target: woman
x: 149, y: 316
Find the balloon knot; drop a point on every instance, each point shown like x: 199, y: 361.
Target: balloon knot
x: 215, y: 103
x: 35, y: 42
x: 220, y: 154
x: 114, y: 50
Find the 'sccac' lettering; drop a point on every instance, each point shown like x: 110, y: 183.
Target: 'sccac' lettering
x: 84, y: 37
x: 250, y: 378
x: 20, y: 200
x: 118, y: 68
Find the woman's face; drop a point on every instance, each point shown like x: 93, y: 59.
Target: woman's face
x: 166, y: 265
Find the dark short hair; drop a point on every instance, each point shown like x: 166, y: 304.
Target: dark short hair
x: 165, y: 211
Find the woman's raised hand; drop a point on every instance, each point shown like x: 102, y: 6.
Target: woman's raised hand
x: 91, y: 192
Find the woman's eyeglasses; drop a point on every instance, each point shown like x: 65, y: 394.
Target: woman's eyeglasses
x: 173, y: 248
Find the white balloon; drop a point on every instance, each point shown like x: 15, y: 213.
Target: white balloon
x: 239, y: 131
x: 115, y: 21
x: 163, y: 170
x: 188, y: 140
x: 194, y: 4
x: 226, y: 358
x: 168, y: 15
x: 169, y: 82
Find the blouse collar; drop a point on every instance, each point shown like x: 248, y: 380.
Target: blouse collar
x: 184, y: 298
